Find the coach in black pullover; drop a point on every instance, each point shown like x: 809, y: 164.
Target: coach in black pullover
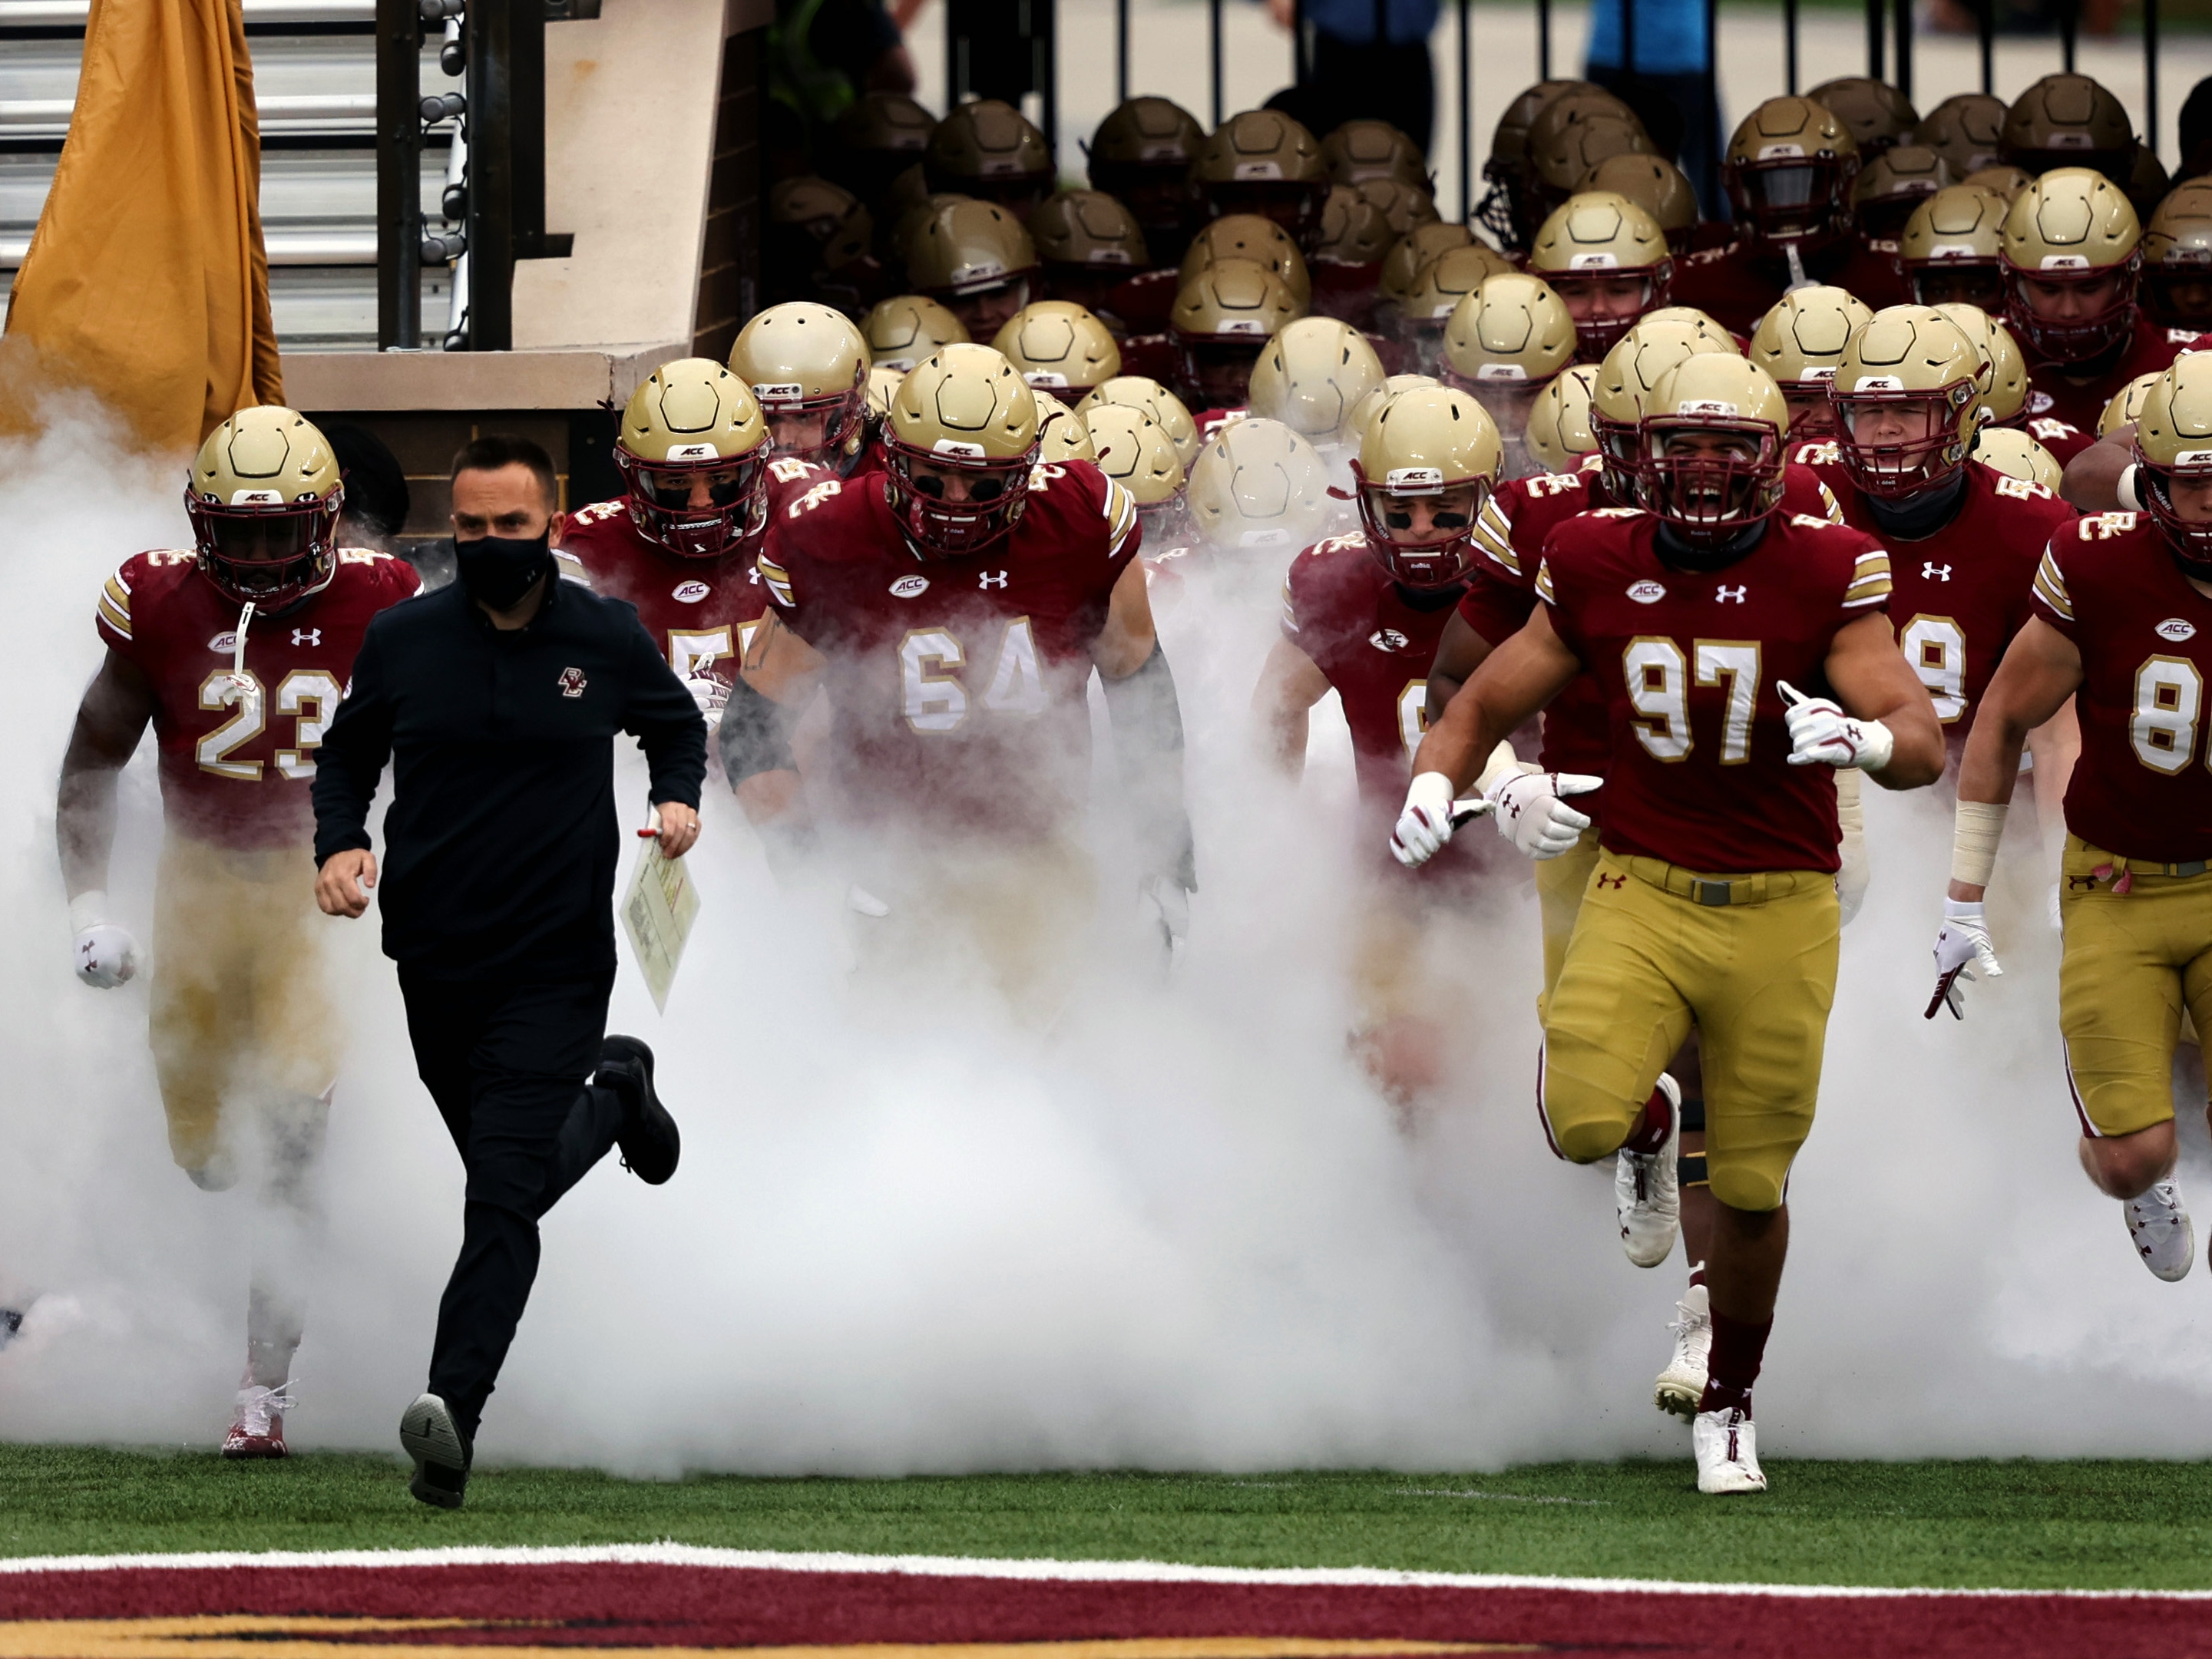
x: 497, y: 700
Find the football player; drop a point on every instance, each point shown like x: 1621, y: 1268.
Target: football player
x: 2073, y: 256
x: 1223, y: 317
x: 1313, y: 376
x: 975, y: 260
x: 1953, y: 248
x: 237, y: 653
x: 2123, y: 627
x: 1362, y: 613
x: 1607, y: 260
x: 1139, y: 392
x: 1511, y: 209
x: 1800, y: 343
x: 1263, y: 162
x: 905, y: 328
x: 954, y: 618
x: 1504, y: 343
x: 703, y: 481
x: 807, y: 367
x: 1059, y: 348
x: 2178, y: 257
x: 1713, y: 901
x: 1788, y: 170
x: 1135, y: 451
x: 1090, y: 247
x: 2006, y: 393
x: 1258, y: 487
x: 989, y: 150
x: 1142, y: 154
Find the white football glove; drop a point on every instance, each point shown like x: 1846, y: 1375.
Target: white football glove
x: 106, y: 956
x: 1821, y: 734
x: 711, y: 695
x: 1431, y: 815
x: 1962, y: 946
x: 1167, y: 906
x: 1534, y: 815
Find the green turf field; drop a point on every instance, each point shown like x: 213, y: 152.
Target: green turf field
x: 2079, y: 1524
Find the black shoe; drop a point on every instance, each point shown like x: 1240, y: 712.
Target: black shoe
x: 428, y: 1434
x: 650, y: 1144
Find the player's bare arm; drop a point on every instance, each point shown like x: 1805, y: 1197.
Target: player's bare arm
x: 116, y: 709
x: 1147, y: 721
x: 781, y: 674
x: 1872, y: 681
x: 2037, y: 680
x: 1459, y: 653
x: 1290, y: 683
x: 2093, y: 478
x: 1511, y: 684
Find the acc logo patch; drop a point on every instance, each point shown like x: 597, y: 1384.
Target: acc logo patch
x: 2176, y: 629
x: 224, y: 644
x: 1387, y: 639
x: 691, y: 593
x: 1647, y: 593
x: 909, y: 587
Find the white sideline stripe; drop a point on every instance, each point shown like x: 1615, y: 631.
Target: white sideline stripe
x: 954, y: 1566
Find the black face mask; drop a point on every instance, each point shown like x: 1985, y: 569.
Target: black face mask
x: 498, y: 570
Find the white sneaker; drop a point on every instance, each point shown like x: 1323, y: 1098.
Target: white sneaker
x: 1682, y: 1384
x: 1728, y: 1452
x: 2158, y: 1223
x: 1647, y: 1190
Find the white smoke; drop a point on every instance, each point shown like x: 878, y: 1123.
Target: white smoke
x: 1179, y: 1230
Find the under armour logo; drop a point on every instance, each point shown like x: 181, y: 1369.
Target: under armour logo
x: 2081, y: 883
x: 307, y: 636
x: 1604, y: 880
x: 990, y: 579
x: 1932, y: 572
x: 1730, y: 595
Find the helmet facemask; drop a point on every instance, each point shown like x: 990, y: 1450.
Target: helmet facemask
x: 915, y: 485
x: 269, y: 552
x: 1388, y: 512
x: 1799, y: 199
x: 661, y: 506
x: 1708, y: 477
x: 2082, y: 338
x: 1958, y: 282
x: 843, y: 417
x: 2189, y: 540
x: 1894, y: 468
x: 1597, y: 332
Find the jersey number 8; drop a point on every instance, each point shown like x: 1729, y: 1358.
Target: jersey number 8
x: 2169, y: 696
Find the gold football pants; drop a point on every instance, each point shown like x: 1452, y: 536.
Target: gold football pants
x: 1756, y: 976
x: 1559, y: 885
x: 239, y: 1009
x: 2134, y: 964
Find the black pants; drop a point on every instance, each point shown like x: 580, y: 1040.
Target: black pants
x: 1355, y: 80
x: 507, y: 1065
x: 1683, y: 120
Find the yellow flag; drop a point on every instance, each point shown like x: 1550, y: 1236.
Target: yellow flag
x: 147, y: 283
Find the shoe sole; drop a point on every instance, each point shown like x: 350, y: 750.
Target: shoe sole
x: 1679, y: 1397
x: 631, y: 1051
x: 255, y: 1453
x: 427, y: 1434
x: 1737, y: 1488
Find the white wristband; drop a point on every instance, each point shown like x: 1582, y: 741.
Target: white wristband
x: 1974, y: 838
x: 2131, y: 498
x: 88, y: 909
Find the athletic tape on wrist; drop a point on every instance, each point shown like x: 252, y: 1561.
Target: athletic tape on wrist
x: 1974, y: 839
x: 1502, y: 761
x: 88, y: 909
x: 2130, y: 498
x: 1851, y: 805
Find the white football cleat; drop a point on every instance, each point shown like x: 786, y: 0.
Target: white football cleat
x: 1647, y: 1190
x: 2158, y: 1223
x: 1727, y: 1453
x: 1682, y: 1384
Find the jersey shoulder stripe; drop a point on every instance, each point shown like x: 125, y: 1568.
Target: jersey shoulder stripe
x: 115, y: 604
x: 778, y: 579
x: 570, y: 569
x: 2050, y: 586
x: 1830, y: 506
x: 1544, y: 582
x: 1121, y: 519
x: 1869, y: 583
x: 1493, y: 534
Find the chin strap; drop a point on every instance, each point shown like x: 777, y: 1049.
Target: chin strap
x: 241, y: 683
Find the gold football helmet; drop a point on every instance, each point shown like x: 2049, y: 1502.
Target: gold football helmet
x: 1142, y: 154
x: 1559, y: 434
x: 1905, y: 395
x: 1607, y: 260
x: 1952, y: 247
x: 1800, y: 343
x: 2005, y: 181
x: 1877, y: 113
x: 1263, y: 162
x: 1509, y: 210
x: 1442, y: 283
x: 2124, y: 407
x: 2069, y: 121
x: 2004, y: 385
x: 1141, y: 392
x: 1061, y: 434
x: 1654, y: 184
x: 1232, y: 300
x: 882, y: 383
x: 1363, y: 412
x: 1427, y: 463
x: 2073, y: 227
x: 808, y: 368
x: 1565, y: 159
x: 1248, y: 236
x: 1892, y: 185
x: 2177, y: 257
x: 1059, y: 346
x: 1790, y: 170
x: 1629, y: 371
x: 1966, y: 130
x: 1354, y: 230
x: 1401, y: 266
x: 693, y: 450
x: 2013, y: 452
x: 1551, y: 152
x: 990, y: 150
x: 2174, y: 439
x: 1709, y: 500
x: 1359, y: 150
x: 1132, y: 451
x: 906, y: 328
x: 1089, y: 230
x: 1311, y: 376
x: 1401, y: 205
x: 1512, y: 331
x: 820, y: 223
x: 1259, y: 484
x: 263, y: 497
x: 966, y: 247
x: 958, y: 446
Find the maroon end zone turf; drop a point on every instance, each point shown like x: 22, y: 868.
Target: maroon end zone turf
x: 674, y: 1607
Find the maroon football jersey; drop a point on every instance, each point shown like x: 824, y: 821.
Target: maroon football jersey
x: 1511, y: 535
x: 1739, y: 284
x: 959, y: 687
x: 701, y: 612
x: 1342, y: 609
x: 1212, y: 422
x: 2149, y: 349
x: 237, y: 760
x: 1957, y: 597
x: 2144, y: 786
x: 2061, y: 438
x: 1689, y: 663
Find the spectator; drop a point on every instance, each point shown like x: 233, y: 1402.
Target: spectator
x: 1664, y: 75
x: 1370, y: 61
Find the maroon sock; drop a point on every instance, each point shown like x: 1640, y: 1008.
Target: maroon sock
x: 1738, y: 1346
x: 1697, y: 1273
x: 1650, y: 1134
